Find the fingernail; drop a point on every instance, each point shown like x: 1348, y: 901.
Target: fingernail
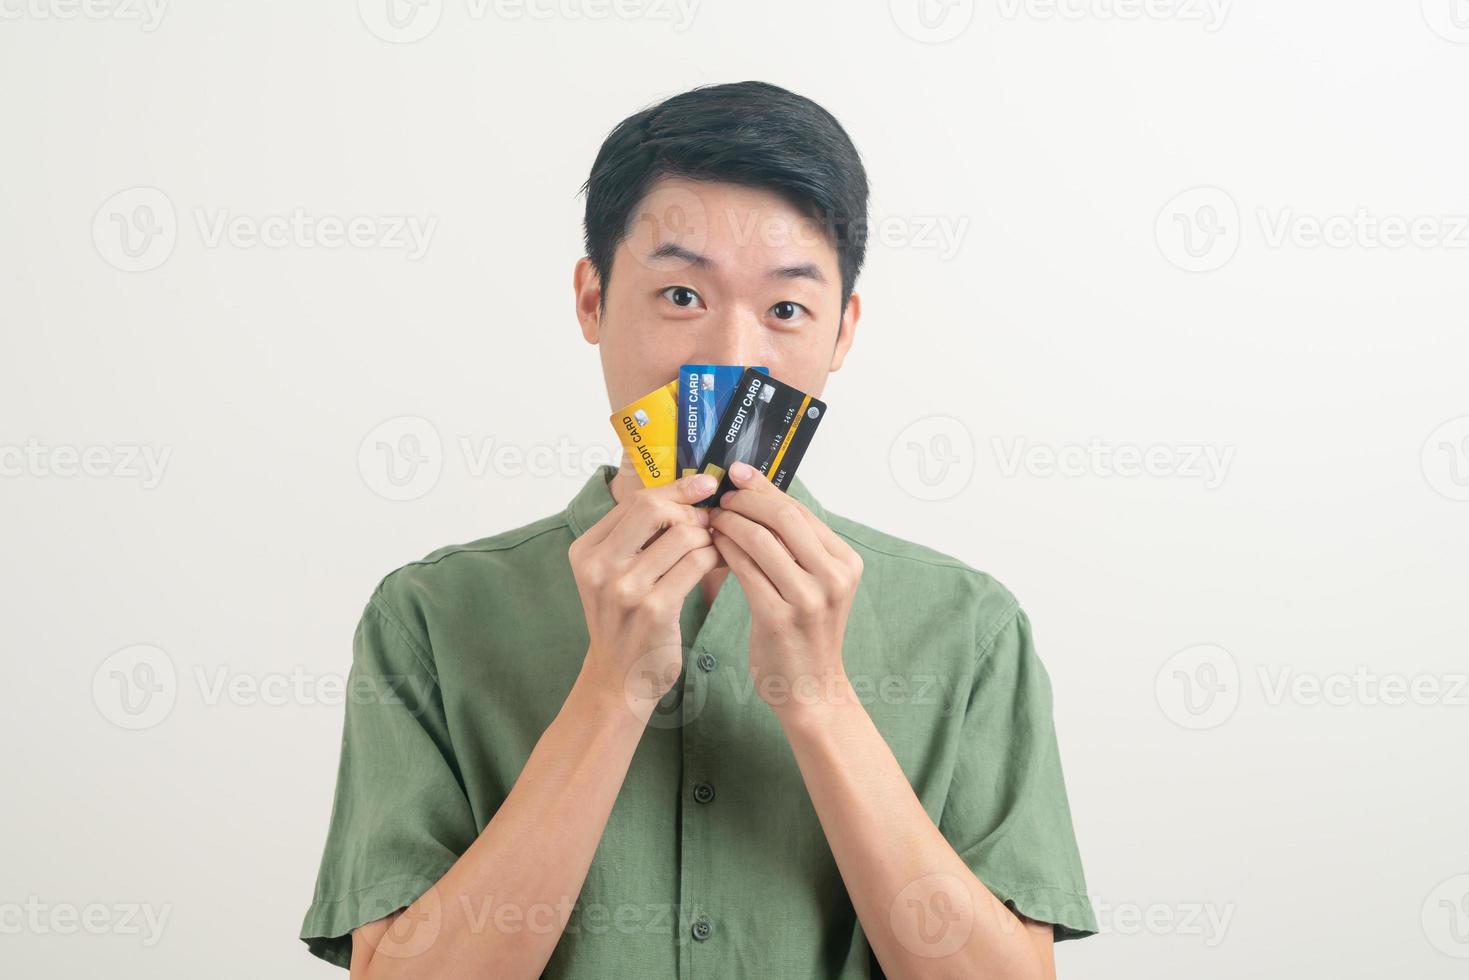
x: 704, y: 484
x: 741, y: 471
x: 724, y: 501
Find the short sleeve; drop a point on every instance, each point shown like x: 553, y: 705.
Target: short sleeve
x: 400, y: 816
x: 1007, y: 814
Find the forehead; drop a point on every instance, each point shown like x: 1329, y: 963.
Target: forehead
x: 726, y: 223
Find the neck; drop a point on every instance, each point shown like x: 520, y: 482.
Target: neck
x: 626, y: 481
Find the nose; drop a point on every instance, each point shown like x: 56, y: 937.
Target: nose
x: 735, y: 339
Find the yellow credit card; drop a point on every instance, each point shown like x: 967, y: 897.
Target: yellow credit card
x: 646, y: 428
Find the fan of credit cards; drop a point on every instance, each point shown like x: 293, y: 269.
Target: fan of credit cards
x: 714, y: 415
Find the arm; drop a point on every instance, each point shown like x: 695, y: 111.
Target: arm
x: 925, y: 912
x: 505, y: 901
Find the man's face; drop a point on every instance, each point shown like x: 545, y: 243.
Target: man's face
x: 715, y: 273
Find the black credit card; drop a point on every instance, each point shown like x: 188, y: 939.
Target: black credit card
x: 767, y: 424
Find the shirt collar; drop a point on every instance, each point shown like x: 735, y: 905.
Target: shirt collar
x: 594, y: 500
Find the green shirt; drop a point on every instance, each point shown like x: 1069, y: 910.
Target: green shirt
x: 713, y: 863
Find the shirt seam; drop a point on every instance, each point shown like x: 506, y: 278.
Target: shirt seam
x: 379, y: 603
x: 469, y: 549
x: 348, y: 895
x: 946, y: 562
x: 984, y: 646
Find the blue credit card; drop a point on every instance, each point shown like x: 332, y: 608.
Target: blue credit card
x: 703, y: 392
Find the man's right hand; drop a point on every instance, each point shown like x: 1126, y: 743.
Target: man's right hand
x: 633, y: 569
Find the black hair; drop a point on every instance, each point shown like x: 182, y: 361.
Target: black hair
x: 749, y: 133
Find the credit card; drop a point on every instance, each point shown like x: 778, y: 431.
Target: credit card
x: 703, y: 394
x: 646, y: 428
x: 767, y: 424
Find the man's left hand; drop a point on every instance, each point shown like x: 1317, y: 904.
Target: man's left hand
x: 799, y: 578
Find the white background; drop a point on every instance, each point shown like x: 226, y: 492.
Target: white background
x: 1229, y: 647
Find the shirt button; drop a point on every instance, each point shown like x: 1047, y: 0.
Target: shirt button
x: 706, y: 662
x: 703, y: 792
x: 703, y: 929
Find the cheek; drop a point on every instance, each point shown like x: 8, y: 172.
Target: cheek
x: 804, y: 364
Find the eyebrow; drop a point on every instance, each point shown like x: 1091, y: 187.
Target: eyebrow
x: 673, y: 250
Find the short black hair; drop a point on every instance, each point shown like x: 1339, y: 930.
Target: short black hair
x: 749, y: 133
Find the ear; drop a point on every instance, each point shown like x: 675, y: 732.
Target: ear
x: 587, y: 287
x: 847, y: 332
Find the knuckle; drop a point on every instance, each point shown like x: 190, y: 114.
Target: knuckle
x: 625, y: 593
x: 591, y: 568
x: 692, y: 536
x: 807, y: 598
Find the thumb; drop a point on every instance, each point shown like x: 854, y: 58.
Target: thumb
x: 692, y: 488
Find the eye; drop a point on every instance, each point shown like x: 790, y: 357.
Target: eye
x: 684, y: 297
x: 786, y: 310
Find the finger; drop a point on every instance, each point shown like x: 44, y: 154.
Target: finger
x: 654, y: 508
x: 655, y: 560
x: 785, y: 518
x: 759, y: 590
x: 687, y: 571
x: 746, y: 477
x: 598, y: 532
x: 686, y: 490
x: 765, y: 549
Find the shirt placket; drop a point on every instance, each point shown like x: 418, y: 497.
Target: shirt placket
x: 700, y: 911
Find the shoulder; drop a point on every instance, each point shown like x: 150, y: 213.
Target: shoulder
x: 898, y: 571
x: 450, y: 575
